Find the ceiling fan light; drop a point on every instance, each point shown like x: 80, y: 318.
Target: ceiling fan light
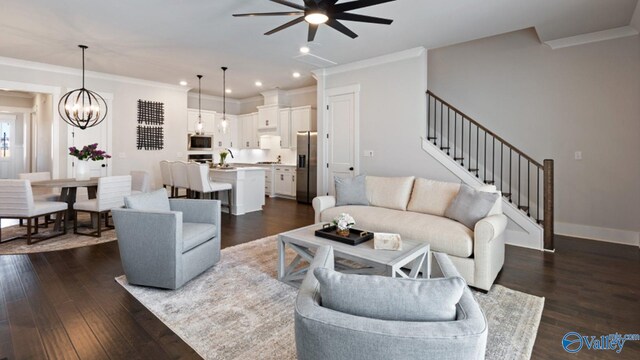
x: 316, y: 18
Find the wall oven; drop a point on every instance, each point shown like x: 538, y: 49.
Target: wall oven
x: 200, y: 142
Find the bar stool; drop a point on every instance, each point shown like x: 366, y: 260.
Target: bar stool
x: 199, y: 180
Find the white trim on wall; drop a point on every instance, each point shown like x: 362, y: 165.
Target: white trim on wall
x: 581, y: 39
x: 617, y: 236
x: 31, y: 65
x: 376, y: 61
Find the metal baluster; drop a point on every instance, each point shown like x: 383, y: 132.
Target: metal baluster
x: 538, y: 194
x: 477, y: 152
x: 448, y: 131
x: 493, y: 159
x: 469, y: 145
x: 519, y: 176
x: 501, y: 160
x: 455, y: 134
x: 462, y: 140
x: 529, y: 187
x: 441, y: 127
x: 485, y: 157
x: 510, y: 174
x: 428, y: 116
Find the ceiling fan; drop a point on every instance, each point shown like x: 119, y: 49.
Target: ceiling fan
x: 317, y: 12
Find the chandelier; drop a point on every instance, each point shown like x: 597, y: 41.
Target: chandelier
x: 82, y: 108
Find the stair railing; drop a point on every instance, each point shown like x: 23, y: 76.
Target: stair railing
x: 524, y: 181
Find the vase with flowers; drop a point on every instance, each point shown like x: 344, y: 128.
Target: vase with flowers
x: 85, y: 154
x: 343, y: 223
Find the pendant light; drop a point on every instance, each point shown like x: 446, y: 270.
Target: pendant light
x: 199, y: 124
x: 224, y: 124
x: 82, y: 108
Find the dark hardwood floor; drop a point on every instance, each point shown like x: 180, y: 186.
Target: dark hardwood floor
x: 66, y: 304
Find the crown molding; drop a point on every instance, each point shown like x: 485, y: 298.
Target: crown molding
x: 376, y: 61
x: 582, y: 39
x: 300, y: 91
x: 32, y: 65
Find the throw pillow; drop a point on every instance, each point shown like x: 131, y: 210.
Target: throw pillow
x: 389, y: 192
x: 351, y: 191
x: 151, y: 201
x: 386, y: 298
x: 470, y: 206
x: 432, y: 197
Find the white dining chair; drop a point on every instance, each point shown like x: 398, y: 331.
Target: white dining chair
x: 140, y: 182
x: 17, y: 202
x: 167, y: 179
x: 41, y: 194
x: 110, y: 195
x: 180, y: 177
x: 198, y: 175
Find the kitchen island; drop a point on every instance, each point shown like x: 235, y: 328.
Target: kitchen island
x: 248, y: 187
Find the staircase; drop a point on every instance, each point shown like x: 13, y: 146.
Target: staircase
x: 479, y: 156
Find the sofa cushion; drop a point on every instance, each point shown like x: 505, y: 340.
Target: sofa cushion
x: 151, y: 201
x: 389, y: 192
x: 194, y: 234
x: 471, y: 206
x: 351, y: 191
x: 432, y: 197
x: 444, y: 235
x: 386, y: 298
x: 497, y: 207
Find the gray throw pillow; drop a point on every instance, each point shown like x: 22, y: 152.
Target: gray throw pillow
x: 386, y: 298
x: 151, y: 201
x: 470, y: 206
x: 351, y: 191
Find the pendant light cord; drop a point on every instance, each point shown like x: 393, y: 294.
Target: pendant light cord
x: 224, y: 93
x: 199, y: 98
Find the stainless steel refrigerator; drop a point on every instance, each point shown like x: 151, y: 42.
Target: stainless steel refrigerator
x: 307, y: 168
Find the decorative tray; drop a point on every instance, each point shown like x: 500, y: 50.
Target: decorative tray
x: 356, y: 237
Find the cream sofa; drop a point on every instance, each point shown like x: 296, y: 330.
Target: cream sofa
x: 414, y: 208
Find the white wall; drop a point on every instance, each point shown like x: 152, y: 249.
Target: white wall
x: 15, y: 101
x: 126, y: 93
x: 551, y: 103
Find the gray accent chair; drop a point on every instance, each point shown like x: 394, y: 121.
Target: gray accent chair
x: 323, y: 333
x: 166, y: 249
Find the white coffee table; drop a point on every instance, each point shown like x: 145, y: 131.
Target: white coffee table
x: 414, y: 256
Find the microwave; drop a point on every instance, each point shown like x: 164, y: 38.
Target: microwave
x: 200, y: 142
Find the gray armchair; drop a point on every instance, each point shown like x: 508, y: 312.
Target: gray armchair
x: 166, y: 249
x: 322, y: 333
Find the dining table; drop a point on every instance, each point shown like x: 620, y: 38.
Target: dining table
x: 68, y: 192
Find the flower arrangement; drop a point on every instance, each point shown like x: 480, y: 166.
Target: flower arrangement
x: 223, y: 156
x: 89, y: 152
x: 343, y: 222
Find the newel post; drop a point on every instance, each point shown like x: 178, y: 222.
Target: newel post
x: 548, y: 205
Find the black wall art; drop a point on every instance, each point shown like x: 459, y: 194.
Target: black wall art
x: 150, y: 132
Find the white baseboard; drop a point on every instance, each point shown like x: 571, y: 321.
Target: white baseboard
x: 617, y: 236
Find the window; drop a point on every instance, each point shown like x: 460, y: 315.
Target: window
x: 5, y: 144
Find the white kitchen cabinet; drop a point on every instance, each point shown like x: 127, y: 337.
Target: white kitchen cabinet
x: 285, y: 128
x: 230, y: 138
x: 249, y: 138
x: 208, y: 119
x: 303, y: 118
x: 268, y: 117
x: 285, y: 181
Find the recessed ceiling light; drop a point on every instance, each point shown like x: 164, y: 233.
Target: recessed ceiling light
x: 316, y: 18
x: 228, y: 91
x: 305, y: 49
x: 258, y: 83
x: 296, y: 74
x: 183, y: 83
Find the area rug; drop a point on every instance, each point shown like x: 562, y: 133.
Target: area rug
x: 239, y: 309
x: 64, y: 242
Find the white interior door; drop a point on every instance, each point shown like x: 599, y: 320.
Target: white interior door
x: 342, y: 141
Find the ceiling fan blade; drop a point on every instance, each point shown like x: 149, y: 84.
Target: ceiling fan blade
x: 284, y: 13
x: 289, y: 4
x: 362, y: 18
x: 313, y: 29
x: 282, y: 27
x: 352, y: 5
x: 343, y: 29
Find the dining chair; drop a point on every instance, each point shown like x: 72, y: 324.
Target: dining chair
x: 17, y: 202
x: 140, y: 182
x: 110, y: 195
x: 180, y: 178
x: 167, y: 179
x: 199, y: 182
x: 41, y: 194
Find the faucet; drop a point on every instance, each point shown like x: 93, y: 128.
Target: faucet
x: 230, y: 153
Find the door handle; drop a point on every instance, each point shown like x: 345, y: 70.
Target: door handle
x: 104, y: 165
x: 351, y: 168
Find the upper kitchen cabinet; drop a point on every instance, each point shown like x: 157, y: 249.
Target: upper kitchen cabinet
x: 303, y: 118
x: 285, y: 128
x: 208, y: 118
x: 248, y: 132
x: 268, y: 117
x: 229, y: 139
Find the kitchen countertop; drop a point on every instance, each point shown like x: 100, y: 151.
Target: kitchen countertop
x: 235, y: 169
x: 262, y: 165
